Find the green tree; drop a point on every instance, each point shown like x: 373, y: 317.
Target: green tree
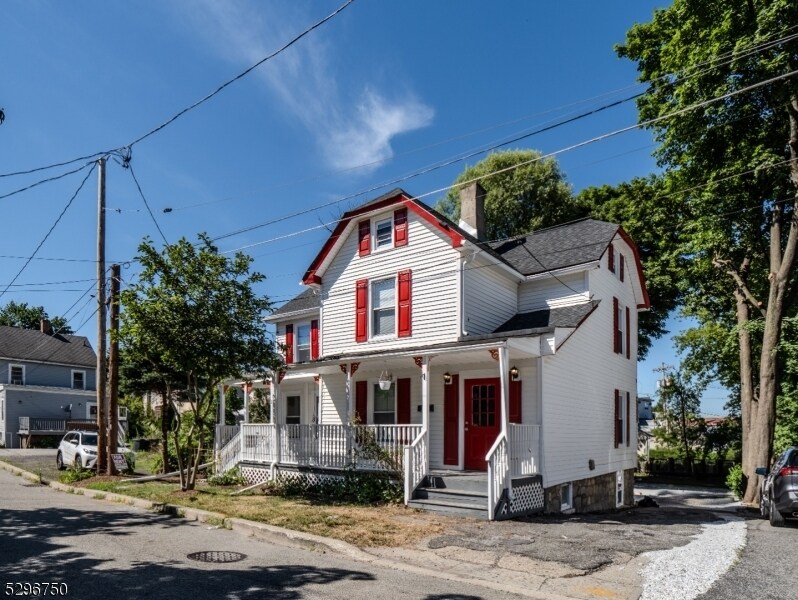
x: 678, y: 406
x: 260, y: 409
x: 19, y: 314
x: 737, y: 162
x: 194, y: 312
x: 233, y: 402
x: 518, y: 200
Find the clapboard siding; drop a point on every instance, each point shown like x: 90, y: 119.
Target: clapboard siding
x: 551, y: 292
x: 579, y: 384
x: 490, y: 296
x: 333, y: 399
x: 434, y: 266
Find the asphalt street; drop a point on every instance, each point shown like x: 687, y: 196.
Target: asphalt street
x: 101, y: 550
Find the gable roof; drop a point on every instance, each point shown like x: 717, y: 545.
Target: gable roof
x: 21, y: 344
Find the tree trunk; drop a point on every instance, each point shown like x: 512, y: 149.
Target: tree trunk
x: 748, y: 407
x: 166, y: 419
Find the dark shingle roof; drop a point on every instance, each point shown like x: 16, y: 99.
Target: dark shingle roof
x: 307, y: 300
x: 557, y: 247
x: 31, y: 344
x: 548, y: 319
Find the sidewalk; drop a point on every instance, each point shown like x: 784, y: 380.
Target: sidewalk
x: 581, y: 556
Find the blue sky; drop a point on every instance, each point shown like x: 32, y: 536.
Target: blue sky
x: 381, y: 91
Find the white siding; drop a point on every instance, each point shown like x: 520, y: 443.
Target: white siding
x: 490, y: 296
x: 578, y: 388
x: 551, y: 292
x: 435, y: 276
x: 333, y: 399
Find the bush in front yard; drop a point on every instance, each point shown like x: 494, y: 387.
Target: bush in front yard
x: 734, y: 481
x: 75, y: 474
x: 356, y: 487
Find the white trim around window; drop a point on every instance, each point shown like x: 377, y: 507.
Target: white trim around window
x: 302, y: 342
x: 383, y: 233
x: 16, y: 374
x: 382, y: 305
x: 78, y: 383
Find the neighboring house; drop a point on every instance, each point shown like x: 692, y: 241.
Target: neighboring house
x: 646, y: 423
x: 517, y: 357
x: 47, y: 380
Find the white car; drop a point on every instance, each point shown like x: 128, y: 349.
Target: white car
x: 79, y: 448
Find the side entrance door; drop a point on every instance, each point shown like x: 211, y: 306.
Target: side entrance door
x: 481, y: 412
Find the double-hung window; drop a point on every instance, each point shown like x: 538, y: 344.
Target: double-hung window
x: 78, y: 380
x: 303, y: 343
x: 383, y: 237
x: 16, y: 374
x: 383, y: 307
x: 292, y: 410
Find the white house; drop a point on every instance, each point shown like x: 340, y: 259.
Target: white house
x: 512, y: 358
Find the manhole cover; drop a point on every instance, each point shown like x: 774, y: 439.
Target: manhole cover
x: 217, y: 556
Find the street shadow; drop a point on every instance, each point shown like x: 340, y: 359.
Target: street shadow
x: 453, y: 597
x: 39, y: 546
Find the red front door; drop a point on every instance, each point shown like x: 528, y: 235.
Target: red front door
x: 481, y: 410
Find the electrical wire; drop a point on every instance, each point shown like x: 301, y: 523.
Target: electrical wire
x: 147, y: 204
x: 43, y: 181
x: 47, y: 235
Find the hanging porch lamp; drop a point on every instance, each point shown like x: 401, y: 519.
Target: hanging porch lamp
x: 385, y: 381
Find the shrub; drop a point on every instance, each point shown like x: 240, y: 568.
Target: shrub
x: 357, y: 487
x: 231, y: 477
x: 75, y: 474
x: 734, y: 481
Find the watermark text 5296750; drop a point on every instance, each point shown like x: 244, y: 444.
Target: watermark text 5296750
x: 36, y: 589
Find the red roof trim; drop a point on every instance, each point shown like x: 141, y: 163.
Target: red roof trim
x: 625, y: 236
x: 456, y: 238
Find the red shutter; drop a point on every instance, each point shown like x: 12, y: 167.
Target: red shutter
x: 515, y: 402
x: 364, y: 238
x: 403, y: 402
x: 628, y: 422
x: 405, y: 328
x: 623, y: 267
x: 400, y: 227
x: 362, y: 401
x: 611, y: 258
x: 451, y: 422
x: 617, y: 423
x: 314, y: 339
x: 361, y: 310
x: 289, y: 344
x: 616, y: 338
x: 628, y: 334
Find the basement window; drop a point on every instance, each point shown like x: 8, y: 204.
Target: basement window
x: 566, y: 496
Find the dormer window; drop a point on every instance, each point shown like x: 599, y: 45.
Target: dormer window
x: 383, y: 231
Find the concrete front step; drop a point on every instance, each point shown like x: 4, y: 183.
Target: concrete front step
x: 459, y: 497
x: 451, y: 508
x: 461, y: 493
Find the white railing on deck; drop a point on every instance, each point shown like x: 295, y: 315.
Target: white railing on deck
x: 498, y: 472
x: 230, y: 454
x: 524, y: 442
x: 224, y: 433
x: 415, y: 464
x: 325, y: 446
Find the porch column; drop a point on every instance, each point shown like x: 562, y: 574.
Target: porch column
x: 347, y: 368
x: 274, y: 393
x: 217, y: 446
x: 246, y: 401
x: 504, y: 377
x: 425, y: 406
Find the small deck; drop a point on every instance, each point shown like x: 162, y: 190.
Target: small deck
x: 33, y: 427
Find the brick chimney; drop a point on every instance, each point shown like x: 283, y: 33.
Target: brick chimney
x: 45, y: 327
x: 472, y: 210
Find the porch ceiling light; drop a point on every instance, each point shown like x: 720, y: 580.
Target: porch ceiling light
x: 514, y: 373
x: 385, y: 381
x: 447, y: 378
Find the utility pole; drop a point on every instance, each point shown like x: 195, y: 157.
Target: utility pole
x: 113, y: 369
x: 101, y: 343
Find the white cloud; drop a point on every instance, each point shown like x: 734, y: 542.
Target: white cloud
x: 350, y: 130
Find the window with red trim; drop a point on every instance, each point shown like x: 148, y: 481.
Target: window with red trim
x: 623, y: 419
x: 289, y: 344
x: 621, y: 325
x: 383, y: 307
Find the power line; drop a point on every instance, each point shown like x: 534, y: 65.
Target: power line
x: 47, y: 235
x: 129, y: 166
x: 43, y: 181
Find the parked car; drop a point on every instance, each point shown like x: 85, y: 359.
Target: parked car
x: 79, y: 448
x: 778, y: 492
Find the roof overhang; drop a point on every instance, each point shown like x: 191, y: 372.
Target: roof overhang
x: 305, y: 312
x: 641, y: 292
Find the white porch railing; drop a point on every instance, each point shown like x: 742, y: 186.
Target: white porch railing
x: 230, y: 454
x: 498, y: 472
x: 415, y: 464
x: 327, y: 446
x: 524, y: 443
x: 224, y: 433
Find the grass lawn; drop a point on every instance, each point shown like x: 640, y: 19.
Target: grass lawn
x: 364, y: 526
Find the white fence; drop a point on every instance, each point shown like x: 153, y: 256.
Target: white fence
x: 498, y: 472
x: 524, y: 442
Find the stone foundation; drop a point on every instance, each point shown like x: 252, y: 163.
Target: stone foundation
x: 592, y: 494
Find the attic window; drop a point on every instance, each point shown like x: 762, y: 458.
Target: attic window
x: 384, y: 234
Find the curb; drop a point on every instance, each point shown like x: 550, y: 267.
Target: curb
x: 274, y: 534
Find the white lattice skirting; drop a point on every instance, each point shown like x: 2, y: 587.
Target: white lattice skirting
x: 528, y: 498
x: 260, y: 473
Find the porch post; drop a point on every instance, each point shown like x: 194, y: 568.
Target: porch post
x: 273, y: 404
x: 425, y: 406
x: 246, y: 402
x: 349, y: 411
x: 217, y: 445
x: 504, y: 377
